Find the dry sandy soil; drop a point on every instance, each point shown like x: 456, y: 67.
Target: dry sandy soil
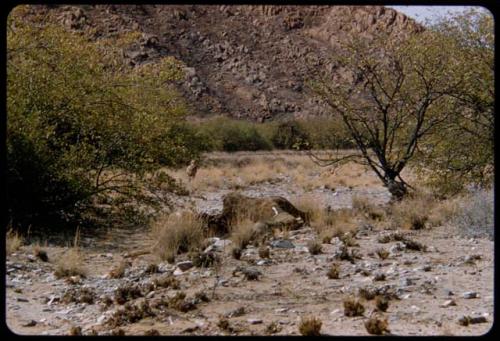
x: 293, y: 283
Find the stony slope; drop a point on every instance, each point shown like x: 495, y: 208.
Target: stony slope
x: 243, y: 61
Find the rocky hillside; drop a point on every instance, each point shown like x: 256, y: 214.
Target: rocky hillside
x: 242, y: 61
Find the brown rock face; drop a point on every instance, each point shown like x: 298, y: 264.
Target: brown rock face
x: 247, y: 62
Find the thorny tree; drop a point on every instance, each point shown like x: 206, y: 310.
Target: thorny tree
x: 391, y: 93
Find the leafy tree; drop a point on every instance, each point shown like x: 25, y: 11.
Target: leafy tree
x: 462, y: 151
x: 391, y: 95
x: 83, y: 127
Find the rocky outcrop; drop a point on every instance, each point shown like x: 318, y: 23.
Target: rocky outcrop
x: 267, y: 212
x: 242, y: 61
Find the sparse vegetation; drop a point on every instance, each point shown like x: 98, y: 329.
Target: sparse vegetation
x: 13, y: 241
x: 382, y: 253
x: 310, y: 326
x: 475, y: 214
x: 314, y: 247
x: 236, y: 252
x: 381, y: 302
x: 127, y: 292
x: 376, y: 326
x: 353, y: 307
x: 334, y: 271
x: 70, y: 264
x: 177, y: 233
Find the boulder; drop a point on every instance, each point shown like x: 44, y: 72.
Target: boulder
x: 268, y: 212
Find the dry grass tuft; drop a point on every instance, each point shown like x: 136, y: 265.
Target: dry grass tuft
x: 377, y: 326
x: 363, y: 206
x: 310, y: 326
x: 244, y: 233
x: 75, y: 331
x: 70, y: 264
x: 13, y: 241
x: 224, y: 324
x: 353, y: 307
x: 177, y: 233
x: 126, y: 293
x: 273, y: 328
x: 204, y: 259
x: 412, y: 212
x: 382, y: 303
x: 334, y: 271
x: 119, y: 271
x: 236, y: 253
x: 314, y: 247
x: 40, y: 254
x: 382, y: 253
x: 264, y: 252
x: 166, y: 281
x: 130, y: 314
x: 152, y: 332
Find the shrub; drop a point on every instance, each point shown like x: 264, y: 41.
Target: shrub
x: 68, y: 151
x: 290, y: 135
x: 314, y: 247
x: 376, y: 326
x: 70, y: 264
x: 475, y: 214
x: 334, y: 272
x: 13, y: 241
x: 177, y: 233
x: 232, y: 135
x: 310, y: 326
x: 243, y: 233
x: 353, y: 307
x: 382, y: 303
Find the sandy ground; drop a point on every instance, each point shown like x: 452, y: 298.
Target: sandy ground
x: 293, y: 283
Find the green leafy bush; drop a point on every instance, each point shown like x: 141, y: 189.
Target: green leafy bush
x: 85, y: 131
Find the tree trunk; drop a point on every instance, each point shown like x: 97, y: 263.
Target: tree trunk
x: 397, y: 189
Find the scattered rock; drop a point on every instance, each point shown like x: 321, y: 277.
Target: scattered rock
x: 470, y: 294
x: 254, y: 321
x: 184, y: 266
x: 448, y: 303
x: 282, y: 244
x: 30, y: 323
x: 466, y: 320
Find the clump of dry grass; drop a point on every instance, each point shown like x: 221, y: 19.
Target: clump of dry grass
x: 382, y: 303
x: 130, y: 313
x: 13, y: 241
x: 244, y: 233
x: 236, y: 252
x: 382, y: 253
x: 353, y: 307
x: 376, y: 326
x: 126, y: 293
x: 348, y: 254
x: 273, y: 328
x: 314, y: 246
x: 368, y: 293
x: 203, y: 259
x: 179, y: 302
x: 363, y: 205
x: 40, y: 253
x: 75, y: 331
x: 70, y: 264
x: 264, y: 252
x: 119, y: 270
x: 334, y: 271
x: 152, y: 332
x: 80, y: 295
x: 224, y: 324
x: 166, y: 281
x: 310, y: 326
x: 412, y: 212
x: 177, y: 233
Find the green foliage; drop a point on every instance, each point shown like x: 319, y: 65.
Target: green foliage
x: 232, y: 135
x: 82, y: 124
x: 462, y: 152
x: 290, y: 135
